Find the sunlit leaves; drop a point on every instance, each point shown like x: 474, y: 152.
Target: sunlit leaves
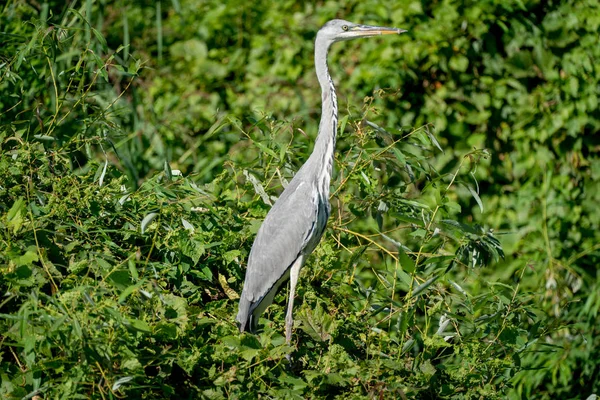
x: 119, y: 273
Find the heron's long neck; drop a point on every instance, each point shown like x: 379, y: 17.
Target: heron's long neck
x: 322, y: 155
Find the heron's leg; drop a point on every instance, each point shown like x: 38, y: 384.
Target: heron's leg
x: 289, y: 320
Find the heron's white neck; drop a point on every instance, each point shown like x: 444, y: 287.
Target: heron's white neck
x: 324, y: 149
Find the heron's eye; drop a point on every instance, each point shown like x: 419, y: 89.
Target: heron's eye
x: 345, y: 27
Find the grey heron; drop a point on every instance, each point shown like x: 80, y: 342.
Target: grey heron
x: 294, y: 225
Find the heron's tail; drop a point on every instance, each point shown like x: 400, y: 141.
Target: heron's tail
x: 244, y: 317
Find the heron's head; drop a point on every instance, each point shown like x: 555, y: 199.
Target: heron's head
x: 337, y: 30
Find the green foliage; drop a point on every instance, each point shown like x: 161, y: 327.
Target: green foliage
x: 141, y: 145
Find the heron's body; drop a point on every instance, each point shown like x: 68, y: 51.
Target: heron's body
x: 295, y: 224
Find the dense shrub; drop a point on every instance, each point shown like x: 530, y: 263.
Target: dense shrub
x: 141, y: 146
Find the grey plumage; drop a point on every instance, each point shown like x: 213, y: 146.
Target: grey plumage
x: 294, y: 225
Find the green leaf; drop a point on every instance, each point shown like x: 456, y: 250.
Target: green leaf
x: 407, y: 263
x: 28, y: 258
x: 139, y: 325
x: 296, y: 383
x: 100, y: 38
x: 14, y: 216
x: 419, y: 289
x: 476, y: 197
x: 147, y: 220
x: 120, y: 278
x: 165, y: 331
x: 433, y: 139
x: 317, y: 323
x: 127, y: 292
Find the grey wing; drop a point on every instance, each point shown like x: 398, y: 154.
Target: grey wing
x: 282, y: 237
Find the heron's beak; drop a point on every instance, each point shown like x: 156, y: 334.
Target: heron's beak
x: 366, y: 30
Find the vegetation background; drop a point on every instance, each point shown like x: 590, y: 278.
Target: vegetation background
x: 142, y: 144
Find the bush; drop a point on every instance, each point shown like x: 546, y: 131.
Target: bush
x: 138, y: 161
